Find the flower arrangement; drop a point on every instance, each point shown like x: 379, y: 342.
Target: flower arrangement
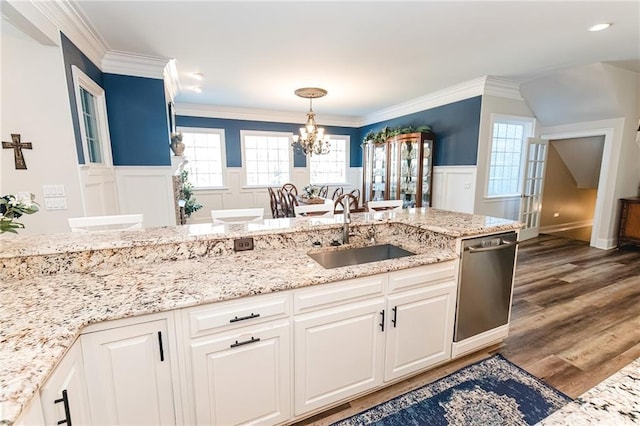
x: 311, y: 191
x: 11, y: 208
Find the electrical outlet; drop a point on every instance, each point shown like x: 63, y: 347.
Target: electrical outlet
x: 242, y: 244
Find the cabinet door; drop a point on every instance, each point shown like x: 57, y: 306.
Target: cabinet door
x: 420, y: 329
x: 338, y: 353
x: 242, y: 377
x: 129, y: 375
x: 32, y: 415
x: 64, y: 395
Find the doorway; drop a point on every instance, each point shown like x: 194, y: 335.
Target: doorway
x: 571, y: 187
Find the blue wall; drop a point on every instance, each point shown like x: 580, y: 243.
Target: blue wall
x: 455, y: 125
x: 73, y: 56
x: 138, y: 124
x: 232, y: 136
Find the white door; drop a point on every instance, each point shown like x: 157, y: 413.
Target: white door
x: 420, y: 329
x: 242, y: 377
x: 64, y: 395
x: 338, y: 353
x: 129, y: 375
x: 531, y: 198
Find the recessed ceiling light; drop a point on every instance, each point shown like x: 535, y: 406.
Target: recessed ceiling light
x: 197, y: 75
x: 196, y: 89
x: 599, y: 27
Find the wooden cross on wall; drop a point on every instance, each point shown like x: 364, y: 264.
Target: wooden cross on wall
x: 17, y: 150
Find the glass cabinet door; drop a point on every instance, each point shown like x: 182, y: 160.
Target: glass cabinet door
x: 394, y: 171
x: 427, y: 167
x: 409, y: 172
x: 379, y: 172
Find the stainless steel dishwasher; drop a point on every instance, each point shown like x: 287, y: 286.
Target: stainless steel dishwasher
x: 484, y: 290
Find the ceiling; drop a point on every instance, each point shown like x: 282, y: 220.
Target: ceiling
x: 368, y: 55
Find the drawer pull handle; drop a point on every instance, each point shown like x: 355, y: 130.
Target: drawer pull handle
x: 246, y: 342
x: 395, y: 316
x: 236, y: 319
x: 67, y: 412
x: 382, y: 320
x: 160, y: 346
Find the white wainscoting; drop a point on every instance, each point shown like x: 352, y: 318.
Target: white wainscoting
x: 147, y: 190
x: 454, y: 188
x: 99, y: 190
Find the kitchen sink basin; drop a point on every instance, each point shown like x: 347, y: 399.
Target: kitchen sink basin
x: 359, y: 255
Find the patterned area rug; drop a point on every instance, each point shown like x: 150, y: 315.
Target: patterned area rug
x: 490, y: 392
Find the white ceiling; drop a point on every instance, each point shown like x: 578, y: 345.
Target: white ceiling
x: 369, y: 55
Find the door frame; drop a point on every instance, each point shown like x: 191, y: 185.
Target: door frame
x: 606, y: 183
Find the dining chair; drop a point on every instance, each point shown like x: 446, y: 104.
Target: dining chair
x: 384, y: 205
x: 290, y: 188
x: 283, y: 199
x: 339, y: 203
x: 119, y: 222
x: 356, y: 193
x: 338, y: 192
x: 277, y: 210
x: 238, y: 215
x: 324, y: 191
x: 292, y: 202
x: 325, y: 209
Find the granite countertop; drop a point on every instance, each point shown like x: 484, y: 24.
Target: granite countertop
x: 54, y: 285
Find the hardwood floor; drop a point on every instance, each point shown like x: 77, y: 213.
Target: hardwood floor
x: 575, y: 321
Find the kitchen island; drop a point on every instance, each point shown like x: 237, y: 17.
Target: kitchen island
x: 53, y: 286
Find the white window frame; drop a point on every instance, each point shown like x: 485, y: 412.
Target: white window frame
x: 529, y: 127
x: 223, y: 154
x: 82, y: 80
x: 347, y: 159
x: 244, y: 134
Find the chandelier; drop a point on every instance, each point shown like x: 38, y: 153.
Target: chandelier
x: 311, y: 139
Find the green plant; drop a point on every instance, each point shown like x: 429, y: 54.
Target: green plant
x: 387, y: 132
x: 12, y: 207
x: 188, y: 201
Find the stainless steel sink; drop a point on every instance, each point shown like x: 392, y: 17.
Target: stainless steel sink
x: 359, y: 255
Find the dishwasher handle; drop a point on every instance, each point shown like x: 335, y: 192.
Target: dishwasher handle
x: 504, y: 244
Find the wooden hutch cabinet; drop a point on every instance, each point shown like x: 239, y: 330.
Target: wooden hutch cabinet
x: 399, y: 168
x: 629, y: 231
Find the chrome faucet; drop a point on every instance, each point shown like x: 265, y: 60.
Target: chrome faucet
x: 346, y: 221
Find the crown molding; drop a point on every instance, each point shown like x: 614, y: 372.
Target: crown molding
x: 30, y: 20
x: 487, y: 85
x: 495, y: 86
x: 68, y: 20
x: 171, y: 79
x: 116, y: 62
x: 233, y: 113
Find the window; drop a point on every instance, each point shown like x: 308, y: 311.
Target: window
x: 267, y: 158
x: 332, y: 167
x: 506, y: 158
x: 205, y: 150
x: 92, y: 114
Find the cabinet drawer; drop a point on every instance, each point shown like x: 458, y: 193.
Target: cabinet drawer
x: 434, y: 273
x: 339, y: 293
x: 221, y: 316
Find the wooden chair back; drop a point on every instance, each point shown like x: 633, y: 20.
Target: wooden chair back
x: 337, y: 193
x: 384, y: 205
x: 290, y: 188
x: 340, y: 202
x: 238, y: 215
x: 106, y: 223
x: 324, y: 191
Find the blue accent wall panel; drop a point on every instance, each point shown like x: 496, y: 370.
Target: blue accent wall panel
x: 233, y: 127
x: 455, y: 125
x: 73, y: 56
x: 138, y: 125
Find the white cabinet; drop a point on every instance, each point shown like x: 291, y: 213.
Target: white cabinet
x: 64, y: 394
x: 338, y: 353
x: 349, y: 337
x: 421, y: 313
x: 32, y: 415
x: 238, y: 361
x: 129, y: 374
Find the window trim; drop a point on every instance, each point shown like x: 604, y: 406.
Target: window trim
x: 347, y: 161
x: 223, y: 154
x: 529, y: 131
x: 82, y: 80
x: 243, y: 134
